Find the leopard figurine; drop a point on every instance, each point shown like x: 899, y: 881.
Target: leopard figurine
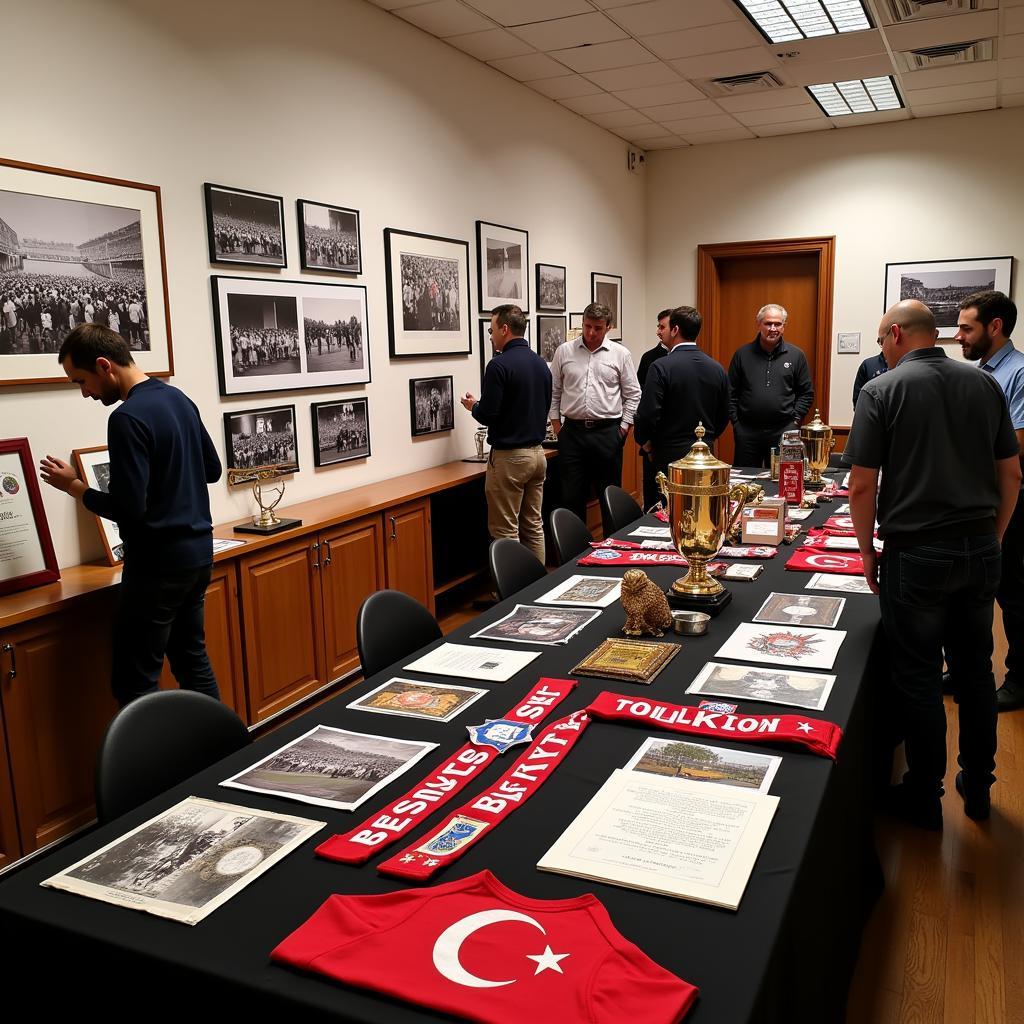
x: 646, y: 607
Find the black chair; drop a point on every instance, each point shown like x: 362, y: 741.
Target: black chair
x: 512, y: 566
x: 618, y: 509
x: 569, y: 534
x: 159, y: 740
x: 389, y: 626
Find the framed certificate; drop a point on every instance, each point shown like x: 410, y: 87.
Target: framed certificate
x: 26, y: 551
x: 93, y: 465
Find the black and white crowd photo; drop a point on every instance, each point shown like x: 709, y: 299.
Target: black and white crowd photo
x: 329, y: 238
x: 261, y: 437
x: 430, y: 293
x: 341, y: 431
x: 245, y: 227
x: 942, y: 291
x: 432, y: 405
x: 333, y: 329
x: 264, y: 333
x: 64, y: 262
x: 550, y: 286
x: 551, y: 332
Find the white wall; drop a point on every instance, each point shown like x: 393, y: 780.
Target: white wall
x: 935, y: 188
x: 330, y: 100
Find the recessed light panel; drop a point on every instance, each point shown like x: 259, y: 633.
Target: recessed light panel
x: 856, y: 96
x: 782, y: 21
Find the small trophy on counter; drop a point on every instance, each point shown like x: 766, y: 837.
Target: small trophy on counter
x: 818, y: 443
x: 479, y: 440
x: 268, y: 521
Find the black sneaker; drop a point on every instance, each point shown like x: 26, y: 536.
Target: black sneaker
x: 913, y: 808
x: 1009, y: 697
x: 977, y: 803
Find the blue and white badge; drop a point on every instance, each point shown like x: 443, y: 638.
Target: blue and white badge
x: 608, y: 554
x: 458, y: 833
x: 500, y: 733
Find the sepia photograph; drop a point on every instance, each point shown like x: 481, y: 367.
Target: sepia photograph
x: 503, y: 264
x: 431, y: 405
x: 699, y: 762
x: 341, y: 431
x: 527, y: 624
x: 409, y: 698
x: 801, y: 610
x: 551, y: 332
x: 244, y: 227
x: 551, y: 287
x: 93, y: 465
x: 585, y: 591
x: 260, y: 437
x: 774, y: 686
x: 331, y: 767
x: 187, y: 861
x: 607, y: 290
x: 329, y: 238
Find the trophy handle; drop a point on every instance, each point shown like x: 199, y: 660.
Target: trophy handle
x: 739, y: 495
x: 662, y: 484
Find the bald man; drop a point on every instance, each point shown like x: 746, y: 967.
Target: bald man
x: 941, y: 432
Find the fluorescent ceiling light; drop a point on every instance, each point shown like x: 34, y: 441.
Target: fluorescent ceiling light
x: 782, y: 21
x: 856, y: 96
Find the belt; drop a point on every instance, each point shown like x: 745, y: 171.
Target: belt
x: 589, y: 424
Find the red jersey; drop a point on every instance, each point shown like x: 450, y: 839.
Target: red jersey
x: 477, y: 950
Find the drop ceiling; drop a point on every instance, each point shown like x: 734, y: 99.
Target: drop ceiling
x: 645, y: 70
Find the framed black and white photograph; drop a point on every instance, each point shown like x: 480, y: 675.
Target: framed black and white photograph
x: 329, y: 238
x: 281, y: 335
x: 607, y: 290
x: 261, y: 437
x: 78, y: 248
x: 807, y: 690
x: 550, y: 286
x: 943, y: 284
x: 428, y: 295
x: 503, y: 266
x: 486, y: 350
x: 341, y: 431
x: 801, y: 610
x: 552, y: 331
x: 93, y: 465
x: 244, y: 227
x: 431, y: 405
x: 575, y: 321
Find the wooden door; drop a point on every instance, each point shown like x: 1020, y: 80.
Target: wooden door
x: 10, y: 842
x: 351, y: 569
x: 409, y: 557
x: 282, y: 619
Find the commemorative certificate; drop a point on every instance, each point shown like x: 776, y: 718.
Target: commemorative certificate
x: 488, y: 663
x: 26, y: 551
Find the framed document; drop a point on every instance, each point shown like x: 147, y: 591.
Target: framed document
x: 26, y: 551
x: 93, y: 465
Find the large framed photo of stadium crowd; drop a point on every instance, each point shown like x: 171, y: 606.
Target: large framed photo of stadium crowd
x: 281, y: 335
x: 329, y: 238
x: 431, y: 405
x: 503, y: 266
x: 261, y: 437
x: 341, y: 431
x: 245, y: 228
x: 78, y: 248
x: 607, y: 290
x: 550, y: 287
x: 943, y: 284
x: 428, y: 295
x: 93, y: 465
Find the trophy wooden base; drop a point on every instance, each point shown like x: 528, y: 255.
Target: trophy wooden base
x: 265, y: 531
x: 712, y: 604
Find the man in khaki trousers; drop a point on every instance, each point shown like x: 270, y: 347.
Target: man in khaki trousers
x: 514, y: 408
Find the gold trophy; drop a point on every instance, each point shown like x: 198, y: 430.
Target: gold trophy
x: 698, y: 496
x: 268, y: 521
x: 818, y: 442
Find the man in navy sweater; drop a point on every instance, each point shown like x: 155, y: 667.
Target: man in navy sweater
x: 161, y: 461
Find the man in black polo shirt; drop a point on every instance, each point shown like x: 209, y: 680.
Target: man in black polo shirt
x: 685, y: 388
x: 770, y: 386
x: 514, y: 408
x: 940, y: 432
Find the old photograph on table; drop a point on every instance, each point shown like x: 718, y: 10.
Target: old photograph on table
x: 503, y: 264
x: 77, y: 248
x: 261, y: 437
x: 329, y: 238
x: 585, y: 591
x: 244, y: 227
x: 93, y: 465
x: 187, y: 861
x: 410, y: 698
x: 551, y: 333
x: 341, y: 431
x: 606, y: 290
x: 551, y: 289
x: 783, y: 645
x: 331, y: 767
x: 834, y: 581
x: 800, y: 610
x: 527, y: 624
x: 490, y: 664
x: 808, y: 690
x: 281, y: 335
x: 431, y: 405
x: 698, y: 762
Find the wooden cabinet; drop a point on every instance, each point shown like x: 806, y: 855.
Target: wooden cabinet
x: 10, y: 843
x: 410, y: 566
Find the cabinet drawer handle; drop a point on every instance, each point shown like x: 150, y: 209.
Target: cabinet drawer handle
x: 13, y: 671
x: 327, y: 545
x: 394, y: 527
x: 315, y: 548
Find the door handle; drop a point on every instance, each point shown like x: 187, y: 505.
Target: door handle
x: 394, y: 528
x: 327, y: 545
x: 13, y: 671
x: 315, y: 548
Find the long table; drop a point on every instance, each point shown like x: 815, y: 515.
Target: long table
x: 786, y: 955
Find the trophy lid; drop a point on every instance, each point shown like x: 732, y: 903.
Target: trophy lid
x: 700, y: 456
x: 815, y: 427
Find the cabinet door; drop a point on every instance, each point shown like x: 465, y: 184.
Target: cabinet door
x: 56, y: 707
x: 409, y: 556
x: 10, y: 843
x: 282, y: 620
x: 352, y: 568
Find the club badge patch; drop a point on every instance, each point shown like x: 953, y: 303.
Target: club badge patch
x: 500, y: 733
x: 460, y: 831
x: 607, y: 554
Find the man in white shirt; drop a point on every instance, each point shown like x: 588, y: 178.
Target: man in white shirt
x: 594, y: 395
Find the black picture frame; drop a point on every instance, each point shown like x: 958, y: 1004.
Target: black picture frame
x: 445, y: 418
x: 543, y: 287
x: 220, y: 196
x: 317, y: 411
x: 489, y: 297
x: 609, y: 280
x: 353, y: 269
x: 576, y: 321
x: 544, y: 322
x: 231, y: 453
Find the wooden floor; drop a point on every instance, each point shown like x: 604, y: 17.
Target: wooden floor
x: 945, y: 944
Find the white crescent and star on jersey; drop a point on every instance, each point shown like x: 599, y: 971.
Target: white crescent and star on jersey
x: 449, y: 944
x: 500, y: 733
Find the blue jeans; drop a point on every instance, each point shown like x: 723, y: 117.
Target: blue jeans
x: 934, y: 597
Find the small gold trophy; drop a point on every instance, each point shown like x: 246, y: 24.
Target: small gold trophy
x: 698, y: 496
x: 268, y: 521
x: 818, y: 442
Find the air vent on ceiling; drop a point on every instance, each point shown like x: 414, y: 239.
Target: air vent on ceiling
x: 915, y: 10
x: 946, y: 56
x: 734, y: 85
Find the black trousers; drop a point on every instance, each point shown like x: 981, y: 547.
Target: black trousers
x: 658, y: 462
x: 1010, y: 596
x: 588, y: 458
x: 754, y: 445
x: 158, y: 614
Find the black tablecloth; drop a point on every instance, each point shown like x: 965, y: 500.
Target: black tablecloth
x: 785, y: 955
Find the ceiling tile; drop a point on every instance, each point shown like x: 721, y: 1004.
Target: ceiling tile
x: 642, y: 135
x: 983, y: 71
x: 875, y: 117
x: 599, y: 104
x: 678, y: 111
x: 581, y: 30
x: 951, y: 93
x: 529, y: 67
x: 1012, y: 46
x: 791, y: 128
x: 1011, y: 68
x: 657, y: 16
x: 840, y: 70
x: 564, y: 88
x: 718, y: 122
x: 838, y: 47
x: 445, y: 18
x: 733, y: 62
x: 621, y: 54
x: 493, y: 44
x: 524, y: 12
x: 730, y: 135
x: 620, y: 119
x: 394, y: 5
x: 1013, y: 20
x: 608, y: 5
x: 1015, y: 99
x: 655, y: 95
x: 1008, y: 85
x: 636, y: 77
x: 961, y: 28
x: 669, y: 143
x: 699, y: 42
x: 764, y: 100
x: 956, y: 107
x: 752, y: 118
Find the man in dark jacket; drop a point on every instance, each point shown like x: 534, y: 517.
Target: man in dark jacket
x: 652, y: 355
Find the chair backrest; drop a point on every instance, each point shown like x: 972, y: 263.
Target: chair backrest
x: 618, y: 509
x: 159, y: 740
x: 569, y: 534
x: 389, y: 626
x: 513, y: 566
